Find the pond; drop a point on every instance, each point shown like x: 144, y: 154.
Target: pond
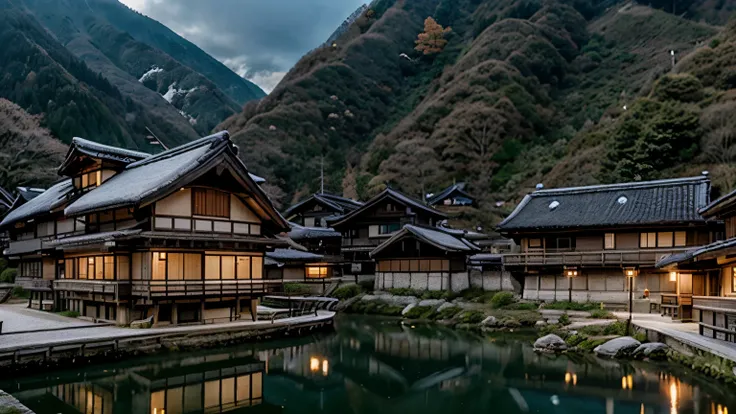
x: 371, y: 365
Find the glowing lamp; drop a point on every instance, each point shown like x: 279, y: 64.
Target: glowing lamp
x: 673, y: 276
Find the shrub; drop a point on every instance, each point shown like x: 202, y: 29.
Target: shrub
x: 575, y: 306
x: 502, y: 299
x: 590, y: 344
x: 8, y: 275
x: 616, y: 328
x: 527, y: 306
x: 19, y: 292
x: 564, y: 319
x: 69, y: 314
x: 601, y: 314
x: 347, y: 292
x: 366, y: 285
x: 296, y: 289
x: 575, y: 340
x: 640, y: 336
x: 419, y: 312
x: 404, y: 292
x: 436, y: 294
x: 447, y: 313
x: 472, y: 316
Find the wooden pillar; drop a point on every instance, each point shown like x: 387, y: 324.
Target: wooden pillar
x: 155, y: 313
x: 201, y: 311
x: 237, y: 308
x: 254, y: 309
x: 174, y: 314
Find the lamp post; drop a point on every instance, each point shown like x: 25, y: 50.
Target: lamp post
x: 570, y: 273
x: 630, y: 273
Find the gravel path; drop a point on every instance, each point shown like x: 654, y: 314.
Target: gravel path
x: 17, y: 318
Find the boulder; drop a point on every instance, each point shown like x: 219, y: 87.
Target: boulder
x: 432, y: 302
x: 143, y: 323
x: 540, y: 324
x: 489, y: 321
x: 617, y: 348
x: 408, y: 308
x: 550, y: 343
x: 445, y: 306
x: 653, y: 350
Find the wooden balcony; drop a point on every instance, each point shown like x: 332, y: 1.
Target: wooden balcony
x: 115, y: 288
x: 642, y: 257
x: 34, y: 283
x: 204, y: 288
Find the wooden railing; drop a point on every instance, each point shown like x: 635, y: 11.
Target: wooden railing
x: 676, y: 306
x: 579, y: 258
x: 717, y: 317
x: 33, y: 283
x: 117, y: 288
x: 185, y: 288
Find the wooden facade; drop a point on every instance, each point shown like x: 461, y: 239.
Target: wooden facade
x: 601, y: 230
x: 376, y: 221
x: 186, y: 244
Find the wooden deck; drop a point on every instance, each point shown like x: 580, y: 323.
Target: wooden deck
x: 618, y: 258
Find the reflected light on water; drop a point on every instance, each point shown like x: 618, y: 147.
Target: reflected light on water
x: 627, y: 382
x: 719, y: 409
x: 673, y: 398
x: 325, y: 367
x: 314, y: 364
x: 571, y: 378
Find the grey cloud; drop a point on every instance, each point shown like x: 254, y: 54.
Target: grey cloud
x: 254, y: 37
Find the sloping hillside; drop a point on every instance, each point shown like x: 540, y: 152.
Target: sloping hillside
x: 524, y: 92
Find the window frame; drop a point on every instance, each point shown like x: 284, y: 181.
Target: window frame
x: 612, y: 236
x: 199, y: 210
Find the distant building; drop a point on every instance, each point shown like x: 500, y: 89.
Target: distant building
x: 366, y: 227
x: 179, y: 236
x: 592, y: 237
x: 452, y: 198
x: 316, y: 210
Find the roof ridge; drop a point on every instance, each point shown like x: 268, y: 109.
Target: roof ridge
x: 89, y: 142
x: 618, y: 186
x: 220, y: 136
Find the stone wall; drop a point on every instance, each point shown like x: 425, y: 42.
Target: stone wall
x: 455, y: 281
x: 494, y: 280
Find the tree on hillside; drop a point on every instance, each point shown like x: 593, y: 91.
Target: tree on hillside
x: 350, y: 183
x: 414, y: 168
x: 29, y: 153
x: 432, y: 40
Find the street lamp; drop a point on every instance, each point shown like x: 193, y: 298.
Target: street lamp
x: 570, y: 273
x: 630, y: 273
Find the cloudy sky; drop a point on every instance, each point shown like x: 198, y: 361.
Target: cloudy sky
x: 259, y: 39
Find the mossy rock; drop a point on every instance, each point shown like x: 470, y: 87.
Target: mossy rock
x: 575, y: 339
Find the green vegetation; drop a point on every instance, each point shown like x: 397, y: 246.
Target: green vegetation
x: 419, y: 312
x: 375, y: 307
x: 8, y: 275
x: 347, y: 292
x: 572, y: 306
x: 69, y: 314
x: 564, y: 319
x: 19, y: 292
x: 297, y: 289
x: 601, y: 314
x: 447, y: 313
x: 472, y: 316
x: 615, y: 328
x: 10, y: 410
x: 502, y: 299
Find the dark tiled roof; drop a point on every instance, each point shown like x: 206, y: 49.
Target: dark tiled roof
x: 723, y: 201
x: 451, y: 242
x: 306, y: 233
x: 28, y: 193
x: 44, y: 203
x: 458, y: 188
x: 674, y: 258
x: 291, y: 255
x: 638, y: 203
x: 97, y: 150
x: 334, y: 203
x: 390, y: 194
x: 485, y: 258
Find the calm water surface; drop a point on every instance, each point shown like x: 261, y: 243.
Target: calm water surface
x: 374, y: 366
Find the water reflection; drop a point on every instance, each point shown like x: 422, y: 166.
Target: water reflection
x: 370, y: 366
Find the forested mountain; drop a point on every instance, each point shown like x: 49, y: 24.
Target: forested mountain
x: 563, y: 92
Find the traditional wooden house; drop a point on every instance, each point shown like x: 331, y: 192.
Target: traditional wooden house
x: 452, y: 198
x: 423, y: 258
x: 583, y: 242
x: 706, y: 276
x: 374, y: 222
x: 316, y: 210
x: 179, y: 236
x: 294, y: 265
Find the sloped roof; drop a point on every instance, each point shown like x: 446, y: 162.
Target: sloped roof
x: 722, y: 202
x: 458, y: 188
x: 434, y: 236
x: 637, y: 203
x: 29, y: 193
x: 44, y: 203
x: 390, y: 194
x: 694, y: 253
x: 280, y: 255
x: 305, y: 233
x: 97, y: 150
x: 334, y: 203
x: 155, y: 176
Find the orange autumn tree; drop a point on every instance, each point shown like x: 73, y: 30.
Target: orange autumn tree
x: 432, y: 40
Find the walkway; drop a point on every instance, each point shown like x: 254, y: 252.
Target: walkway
x: 686, y: 333
x: 84, y: 334
x: 18, y: 318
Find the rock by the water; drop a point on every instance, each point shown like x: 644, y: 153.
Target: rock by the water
x: 617, y: 348
x: 143, y: 323
x: 540, y: 323
x: 432, y: 302
x: 391, y: 299
x: 551, y: 343
x: 445, y: 306
x: 10, y: 404
x: 408, y: 308
x: 489, y: 321
x: 653, y: 350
